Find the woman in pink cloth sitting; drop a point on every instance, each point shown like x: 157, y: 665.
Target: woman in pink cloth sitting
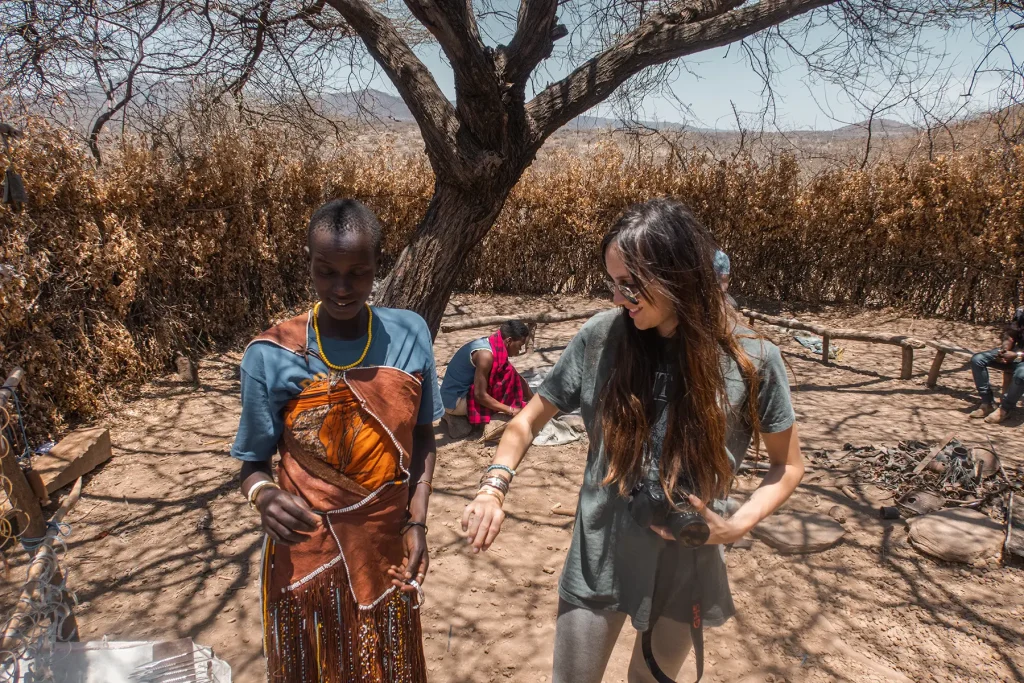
x: 480, y: 382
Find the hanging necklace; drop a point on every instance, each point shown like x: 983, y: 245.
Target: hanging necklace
x: 319, y: 344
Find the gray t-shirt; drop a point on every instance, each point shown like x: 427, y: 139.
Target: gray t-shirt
x: 612, y: 563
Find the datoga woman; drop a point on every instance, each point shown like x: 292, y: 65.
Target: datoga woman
x: 672, y: 393
x: 347, y: 393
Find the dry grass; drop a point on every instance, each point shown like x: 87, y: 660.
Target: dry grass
x: 109, y: 273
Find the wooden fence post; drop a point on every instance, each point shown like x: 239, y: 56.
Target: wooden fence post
x: 933, y: 374
x: 824, y: 348
x: 22, y: 498
x: 908, y: 363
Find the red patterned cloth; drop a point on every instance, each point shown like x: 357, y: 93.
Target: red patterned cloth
x: 504, y: 384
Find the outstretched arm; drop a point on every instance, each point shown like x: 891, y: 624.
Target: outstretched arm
x: 483, y: 517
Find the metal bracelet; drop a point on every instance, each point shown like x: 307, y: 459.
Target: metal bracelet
x: 490, y: 491
x: 496, y: 482
x: 409, y: 525
x: 255, y: 489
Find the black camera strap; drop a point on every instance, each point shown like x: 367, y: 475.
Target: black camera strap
x: 696, y: 635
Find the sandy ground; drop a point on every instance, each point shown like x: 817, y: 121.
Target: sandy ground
x: 163, y: 544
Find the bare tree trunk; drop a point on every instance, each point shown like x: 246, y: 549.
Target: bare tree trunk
x: 426, y: 271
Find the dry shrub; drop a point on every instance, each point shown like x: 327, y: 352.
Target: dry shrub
x: 110, y: 273
x: 935, y: 238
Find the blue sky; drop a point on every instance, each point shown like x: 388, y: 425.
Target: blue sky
x: 714, y: 80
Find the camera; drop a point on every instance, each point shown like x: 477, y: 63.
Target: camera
x: 649, y: 504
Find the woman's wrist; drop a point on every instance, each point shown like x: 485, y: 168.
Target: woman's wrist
x: 489, y: 492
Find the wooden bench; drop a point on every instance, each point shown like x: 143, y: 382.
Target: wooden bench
x: 944, y: 348
x: 906, y: 343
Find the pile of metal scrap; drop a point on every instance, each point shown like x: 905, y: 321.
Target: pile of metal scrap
x: 924, y: 479
x: 961, y: 501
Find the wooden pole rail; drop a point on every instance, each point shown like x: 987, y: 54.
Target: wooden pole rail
x: 529, y: 318
x: 28, y: 514
x: 907, y: 344
x: 827, y: 334
x: 7, y: 390
x: 44, y: 559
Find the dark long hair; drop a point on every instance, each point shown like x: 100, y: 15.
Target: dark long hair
x: 663, y: 244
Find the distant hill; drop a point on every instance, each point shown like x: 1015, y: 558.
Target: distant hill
x: 367, y: 104
x: 886, y: 127
x: 376, y: 105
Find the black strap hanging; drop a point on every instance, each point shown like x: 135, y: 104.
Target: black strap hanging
x: 696, y: 635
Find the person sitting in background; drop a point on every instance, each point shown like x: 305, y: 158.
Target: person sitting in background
x: 480, y: 382
x: 723, y: 270
x: 1009, y: 357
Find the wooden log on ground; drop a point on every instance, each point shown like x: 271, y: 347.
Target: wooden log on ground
x: 77, y: 454
x: 1014, y: 544
x: 44, y: 559
x: 907, y: 369
x: 529, y: 318
x: 933, y: 373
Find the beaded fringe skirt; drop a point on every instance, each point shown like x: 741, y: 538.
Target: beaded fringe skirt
x: 317, y: 633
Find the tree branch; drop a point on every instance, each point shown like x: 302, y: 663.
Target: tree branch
x: 536, y: 33
x: 662, y: 37
x: 453, y: 24
x: 432, y: 110
x: 477, y: 89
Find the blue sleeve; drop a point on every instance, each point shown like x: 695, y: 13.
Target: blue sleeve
x: 431, y: 409
x: 261, y: 425
x: 423, y: 361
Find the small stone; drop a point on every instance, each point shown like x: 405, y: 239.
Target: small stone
x: 838, y: 513
x: 549, y: 570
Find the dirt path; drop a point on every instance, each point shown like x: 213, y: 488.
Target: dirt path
x: 163, y: 544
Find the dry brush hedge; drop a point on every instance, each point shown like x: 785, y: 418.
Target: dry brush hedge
x: 108, y: 274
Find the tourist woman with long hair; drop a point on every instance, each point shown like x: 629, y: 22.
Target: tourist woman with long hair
x: 672, y: 391
x: 347, y: 394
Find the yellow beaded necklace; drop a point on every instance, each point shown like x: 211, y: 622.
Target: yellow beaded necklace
x: 320, y: 346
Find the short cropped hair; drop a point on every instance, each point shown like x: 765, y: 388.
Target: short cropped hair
x: 342, y: 216
x: 514, y: 329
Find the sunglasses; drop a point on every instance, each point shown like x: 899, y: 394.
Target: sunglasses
x: 630, y: 293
